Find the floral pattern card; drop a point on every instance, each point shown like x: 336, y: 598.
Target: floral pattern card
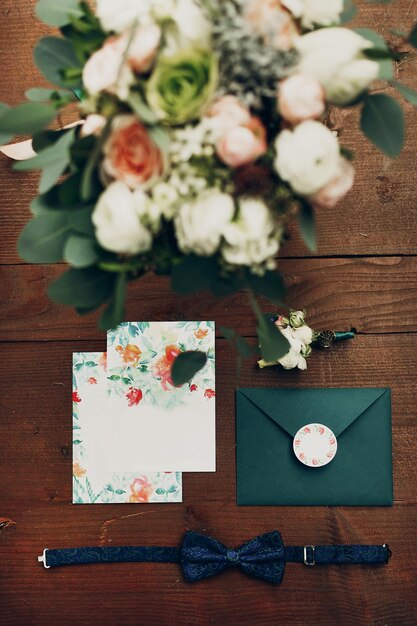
x: 98, y: 477
x: 162, y: 425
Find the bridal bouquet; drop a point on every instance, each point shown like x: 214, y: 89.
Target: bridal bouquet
x: 202, y: 132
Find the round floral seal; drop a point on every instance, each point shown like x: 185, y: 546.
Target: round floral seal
x: 315, y: 445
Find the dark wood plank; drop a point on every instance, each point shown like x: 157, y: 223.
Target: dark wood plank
x: 373, y: 219
x: 373, y: 295
x: 35, y: 396
x: 36, y: 512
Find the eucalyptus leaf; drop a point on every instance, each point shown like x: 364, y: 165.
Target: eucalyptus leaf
x: 113, y: 315
x: 307, y: 226
x: 193, y: 274
x: 269, y: 285
x: 80, y: 251
x: 141, y: 109
x: 26, y: 118
x: 272, y: 342
x: 84, y: 289
x: 186, y: 365
x: 409, y: 94
x: 80, y: 221
x: 382, y: 121
x: 384, y: 59
x: 41, y: 94
x: 349, y: 11
x: 58, y: 12
x: 52, y: 56
x: 5, y: 137
x: 43, y: 238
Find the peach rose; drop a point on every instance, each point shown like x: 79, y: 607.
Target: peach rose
x: 273, y: 22
x: 105, y: 70
x: 329, y: 195
x: 130, y: 155
x: 229, y: 112
x: 143, y: 47
x: 300, y: 97
x: 243, y: 144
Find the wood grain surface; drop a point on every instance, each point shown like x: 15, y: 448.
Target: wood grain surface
x: 364, y: 276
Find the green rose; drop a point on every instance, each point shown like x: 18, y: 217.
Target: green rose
x: 181, y: 85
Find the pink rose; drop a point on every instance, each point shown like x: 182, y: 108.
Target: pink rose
x: 273, y: 22
x: 144, y: 47
x: 300, y: 97
x: 243, y: 144
x: 105, y: 70
x: 130, y: 155
x: 329, y: 195
x: 229, y: 112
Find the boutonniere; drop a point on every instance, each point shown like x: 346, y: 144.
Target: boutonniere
x: 302, y: 339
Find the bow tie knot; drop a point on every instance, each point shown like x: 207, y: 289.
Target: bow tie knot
x: 262, y: 557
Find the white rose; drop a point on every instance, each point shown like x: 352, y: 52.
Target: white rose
x: 117, y: 221
x: 329, y: 195
x: 105, y: 70
x: 304, y: 334
x: 300, y: 97
x: 254, y: 237
x: 117, y: 16
x: 334, y: 56
x: 315, y: 12
x: 200, y: 222
x: 307, y: 157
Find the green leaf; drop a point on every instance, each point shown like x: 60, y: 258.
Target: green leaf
x: 382, y: 121
x: 380, y: 46
x: 113, y: 377
x: 80, y: 251
x: 85, y: 289
x: 409, y: 94
x: 195, y: 273
x: 43, y: 238
x: 349, y: 12
x: 40, y: 94
x: 141, y: 109
x: 244, y: 349
x: 186, y: 365
x: 26, y: 118
x: 120, y: 491
x: 269, y: 285
x: 272, y: 342
x: 5, y: 137
x: 80, y: 221
x: 160, y: 491
x: 58, y: 12
x: 307, y: 226
x: 77, y: 441
x: 160, y: 137
x: 412, y: 37
x: 52, y: 56
x: 114, y: 313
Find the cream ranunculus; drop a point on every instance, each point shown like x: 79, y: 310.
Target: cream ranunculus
x: 335, y: 57
x: 294, y: 357
x: 191, y: 28
x: 117, y: 16
x: 200, y: 222
x: 304, y: 334
x: 300, y: 97
x: 307, y: 157
x: 316, y: 12
x: 105, y: 70
x: 253, y: 238
x: 117, y: 219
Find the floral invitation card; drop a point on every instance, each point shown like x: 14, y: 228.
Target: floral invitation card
x: 162, y: 425
x: 98, y: 476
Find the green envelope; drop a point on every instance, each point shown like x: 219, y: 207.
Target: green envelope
x: 268, y: 471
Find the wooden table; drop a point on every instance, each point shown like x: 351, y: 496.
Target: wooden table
x: 365, y: 276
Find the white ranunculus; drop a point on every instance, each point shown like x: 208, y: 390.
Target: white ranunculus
x: 307, y: 157
x: 200, y: 222
x: 335, y: 57
x: 118, y: 15
x: 304, y: 334
x: 117, y: 219
x: 105, y: 70
x: 315, y: 12
x: 294, y: 357
x: 253, y: 237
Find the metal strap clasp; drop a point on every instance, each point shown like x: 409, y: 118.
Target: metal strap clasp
x: 307, y: 560
x: 42, y: 559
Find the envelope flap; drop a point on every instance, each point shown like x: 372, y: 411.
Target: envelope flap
x: 293, y: 408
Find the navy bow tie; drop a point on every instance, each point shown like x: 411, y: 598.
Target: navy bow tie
x: 262, y: 557
x: 200, y: 556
